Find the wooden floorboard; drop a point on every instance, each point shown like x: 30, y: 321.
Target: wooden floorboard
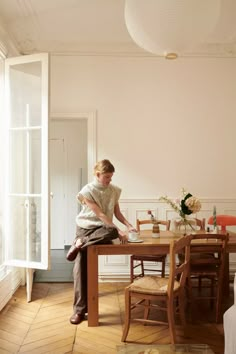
x: 42, y: 326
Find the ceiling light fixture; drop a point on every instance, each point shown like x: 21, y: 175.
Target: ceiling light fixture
x: 168, y: 27
x: 171, y: 56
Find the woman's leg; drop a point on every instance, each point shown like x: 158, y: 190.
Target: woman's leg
x: 80, y: 283
x: 80, y: 280
x: 103, y: 235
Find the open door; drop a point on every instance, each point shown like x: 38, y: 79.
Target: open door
x: 26, y: 220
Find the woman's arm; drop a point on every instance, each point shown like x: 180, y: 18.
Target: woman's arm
x: 122, y: 219
x: 97, y: 210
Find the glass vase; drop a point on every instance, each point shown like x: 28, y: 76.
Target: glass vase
x: 184, y: 225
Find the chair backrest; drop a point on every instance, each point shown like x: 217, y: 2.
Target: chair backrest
x: 179, y: 271
x: 223, y: 221
x: 199, y: 223
x: 139, y: 222
x: 216, y: 243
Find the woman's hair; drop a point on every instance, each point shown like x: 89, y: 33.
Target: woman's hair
x: 104, y: 166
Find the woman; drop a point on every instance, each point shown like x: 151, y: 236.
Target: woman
x: 100, y: 201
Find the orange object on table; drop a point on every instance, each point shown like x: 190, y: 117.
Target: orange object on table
x: 223, y: 221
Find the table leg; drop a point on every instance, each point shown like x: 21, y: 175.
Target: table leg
x: 92, y: 265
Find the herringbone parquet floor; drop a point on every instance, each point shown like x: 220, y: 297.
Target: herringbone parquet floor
x: 42, y: 326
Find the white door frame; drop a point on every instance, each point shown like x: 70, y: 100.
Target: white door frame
x: 91, y: 137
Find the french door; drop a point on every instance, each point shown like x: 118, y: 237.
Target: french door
x: 26, y: 219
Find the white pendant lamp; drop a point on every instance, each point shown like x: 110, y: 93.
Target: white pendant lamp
x: 225, y: 30
x: 168, y: 27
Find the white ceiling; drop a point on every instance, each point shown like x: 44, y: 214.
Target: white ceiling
x: 81, y: 26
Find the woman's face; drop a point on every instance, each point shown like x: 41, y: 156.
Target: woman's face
x: 104, y: 178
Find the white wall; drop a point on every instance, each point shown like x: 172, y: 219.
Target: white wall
x: 164, y: 124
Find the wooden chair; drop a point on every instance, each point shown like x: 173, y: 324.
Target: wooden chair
x: 138, y: 260
x: 169, y: 292
x: 200, y: 223
x: 222, y: 221
x: 209, y: 269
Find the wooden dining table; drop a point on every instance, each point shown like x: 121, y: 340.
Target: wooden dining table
x: 150, y: 245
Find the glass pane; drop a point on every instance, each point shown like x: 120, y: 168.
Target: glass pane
x: 35, y: 229
x: 25, y: 94
x: 26, y: 227
x: 25, y: 158
x: 35, y: 165
x: 17, y: 162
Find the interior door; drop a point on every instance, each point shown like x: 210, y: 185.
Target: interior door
x: 68, y: 173
x: 26, y: 200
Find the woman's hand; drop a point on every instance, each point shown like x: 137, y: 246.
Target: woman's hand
x: 122, y: 236
x: 131, y: 228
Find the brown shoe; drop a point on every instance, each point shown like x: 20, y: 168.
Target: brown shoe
x: 76, y: 318
x: 73, y: 251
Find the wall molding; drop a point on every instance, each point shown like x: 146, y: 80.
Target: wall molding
x: 155, y: 200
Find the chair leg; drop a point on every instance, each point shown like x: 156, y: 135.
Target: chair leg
x: 146, y: 309
x: 163, y: 265
x: 181, y: 300
x: 127, y: 315
x: 200, y: 282
x: 213, y: 285
x: 131, y: 269
x: 219, y: 296
x: 171, y: 322
x: 189, y: 290
x: 142, y: 268
x: 132, y: 266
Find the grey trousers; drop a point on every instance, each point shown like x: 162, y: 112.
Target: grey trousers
x: 100, y: 235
